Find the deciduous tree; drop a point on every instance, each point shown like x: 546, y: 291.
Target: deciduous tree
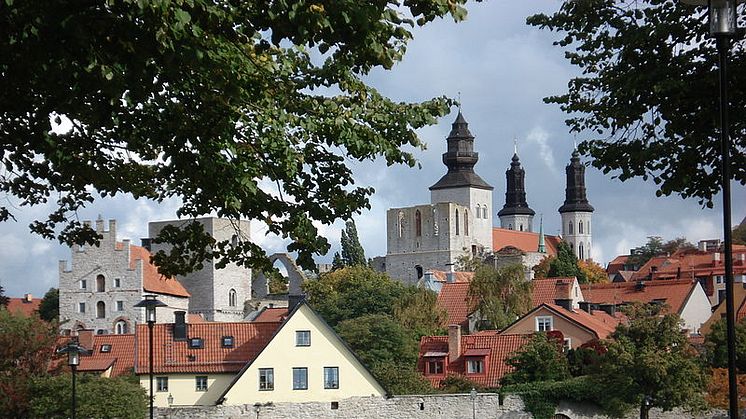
x: 352, y: 251
x: 540, y: 359
x: 645, y: 93
x: 248, y: 110
x: 500, y: 295
x: 49, y: 307
x: 592, y: 272
x: 3, y: 298
x: 419, y: 312
x: 379, y: 338
x: 565, y: 265
x: 716, y: 346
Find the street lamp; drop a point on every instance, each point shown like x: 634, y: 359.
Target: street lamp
x: 723, y: 27
x: 73, y: 351
x: 473, y: 395
x: 150, y: 303
x: 170, y: 399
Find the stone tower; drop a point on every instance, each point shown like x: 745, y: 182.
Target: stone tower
x: 461, y: 185
x: 217, y: 294
x: 516, y: 214
x: 576, y: 212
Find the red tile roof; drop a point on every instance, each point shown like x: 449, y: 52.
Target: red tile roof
x: 617, y: 264
x: 454, y: 299
x: 121, y: 355
x: 442, y: 276
x: 674, y: 293
x: 152, y: 280
x: 690, y: 264
x: 599, y: 322
x: 175, y: 355
x: 23, y: 305
x: 272, y: 314
x: 195, y: 318
x: 546, y: 290
x: 523, y: 240
x: 497, y: 347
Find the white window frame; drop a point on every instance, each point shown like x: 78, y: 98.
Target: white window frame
x: 331, y: 381
x: 541, y: 320
x: 161, y: 384
x: 302, y: 338
x: 120, y: 305
x: 201, y: 383
x: 266, y: 379
x: 83, y: 284
x: 567, y: 344
x: 117, y: 282
x: 81, y: 307
x: 300, y: 382
x: 475, y: 366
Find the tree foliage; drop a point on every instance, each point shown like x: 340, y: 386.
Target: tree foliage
x: 457, y: 383
x: 716, y: 347
x: 352, y: 251
x: 739, y: 234
x: 592, y: 272
x: 97, y: 397
x: 655, y: 246
x: 248, y: 110
x: 377, y: 338
x: 3, y: 298
x: 419, y: 312
x: 565, y: 265
x: 540, y: 359
x: 717, y: 389
x: 541, y: 270
x: 49, y: 307
x: 646, y: 93
x: 650, y: 358
x: 401, y: 379
x: 500, y: 295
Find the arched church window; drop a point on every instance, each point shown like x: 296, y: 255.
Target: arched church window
x: 100, y: 283
x: 466, y: 222
x: 484, y: 212
x: 457, y: 223
x: 580, y: 227
x: 581, y: 254
x: 401, y: 224
x: 100, y: 310
x: 588, y: 227
x: 569, y: 228
x: 520, y: 227
x: 121, y: 327
x: 478, y: 211
x: 417, y: 223
x: 436, y: 228
x: 232, y: 298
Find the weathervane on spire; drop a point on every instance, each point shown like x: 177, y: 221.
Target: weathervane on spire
x: 459, y: 101
x: 515, y: 145
x: 575, y: 142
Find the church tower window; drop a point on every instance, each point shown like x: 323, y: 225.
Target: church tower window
x: 100, y: 310
x: 401, y: 224
x: 581, y: 256
x: 580, y: 227
x: 457, y: 223
x: 100, y: 283
x: 418, y: 223
x: 466, y: 222
x: 569, y: 228
x: 232, y: 298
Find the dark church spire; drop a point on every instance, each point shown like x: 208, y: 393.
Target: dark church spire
x: 515, y: 193
x: 460, y: 159
x: 575, y: 199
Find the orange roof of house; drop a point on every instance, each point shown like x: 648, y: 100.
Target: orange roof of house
x: 272, y: 314
x: 23, y: 305
x: 526, y: 241
x: 454, y: 299
x: 497, y: 347
x: 173, y: 356
x: 617, y: 264
x: 442, y: 276
x: 546, y: 290
x: 195, y: 318
x: 121, y: 355
x: 598, y: 322
x: 152, y: 280
x: 674, y: 293
x: 690, y: 264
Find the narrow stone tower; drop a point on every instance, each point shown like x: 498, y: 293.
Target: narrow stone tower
x: 576, y: 212
x: 516, y: 214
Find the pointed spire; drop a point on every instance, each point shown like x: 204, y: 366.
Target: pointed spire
x: 460, y: 158
x: 515, y: 193
x: 542, y: 244
x: 575, y: 194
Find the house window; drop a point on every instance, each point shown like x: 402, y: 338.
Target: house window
x: 474, y: 366
x: 196, y: 343
x: 300, y: 378
x: 100, y: 283
x: 417, y: 223
x: 161, y: 384
x: 721, y: 296
x: 100, y: 310
x: 302, y: 338
x: 117, y: 283
x: 466, y: 223
x: 457, y: 223
x: 232, y: 297
x: 200, y: 382
x: 227, y: 341
x: 435, y: 366
x: 544, y: 324
x: 83, y: 284
x: 120, y: 327
x: 266, y: 379
x: 81, y: 307
x: 719, y: 279
x: 331, y: 377
x: 105, y: 348
x: 120, y: 305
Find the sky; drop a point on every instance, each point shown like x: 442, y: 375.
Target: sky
x: 501, y: 68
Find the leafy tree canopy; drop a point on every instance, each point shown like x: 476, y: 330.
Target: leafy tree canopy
x: 650, y: 359
x: 592, y: 272
x: 739, y: 234
x: 716, y: 347
x: 377, y: 338
x: 457, y: 383
x: 352, y: 251
x: 49, y: 307
x: 655, y: 246
x: 419, y: 312
x: 500, y: 295
x: 401, y: 379
x: 541, y: 270
x: 246, y: 110
x: 565, y: 264
x: 540, y: 359
x: 647, y: 91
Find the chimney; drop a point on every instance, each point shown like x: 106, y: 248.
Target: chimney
x: 180, y: 327
x: 716, y: 258
x: 610, y: 309
x: 85, y: 338
x: 27, y: 298
x: 564, y: 303
x: 294, y: 300
x: 451, y: 275
x: 454, y: 342
x: 585, y: 306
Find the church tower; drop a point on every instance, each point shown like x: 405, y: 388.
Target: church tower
x: 461, y: 185
x: 576, y: 213
x: 516, y: 214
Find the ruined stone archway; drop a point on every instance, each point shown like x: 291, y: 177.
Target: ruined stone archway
x: 260, y: 284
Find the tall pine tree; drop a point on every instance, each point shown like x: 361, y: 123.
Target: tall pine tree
x: 352, y: 251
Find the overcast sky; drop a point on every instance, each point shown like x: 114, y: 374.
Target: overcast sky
x: 503, y: 69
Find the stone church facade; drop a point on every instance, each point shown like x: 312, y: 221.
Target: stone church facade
x: 459, y: 219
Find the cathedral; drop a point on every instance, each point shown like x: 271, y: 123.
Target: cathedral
x: 458, y: 220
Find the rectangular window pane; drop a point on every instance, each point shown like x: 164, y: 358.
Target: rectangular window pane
x: 474, y: 367
x: 161, y: 383
x: 300, y: 378
x: 302, y: 338
x: 266, y: 379
x: 81, y: 307
x: 82, y: 284
x: 117, y: 282
x: 120, y: 305
x: 331, y: 377
x: 201, y: 383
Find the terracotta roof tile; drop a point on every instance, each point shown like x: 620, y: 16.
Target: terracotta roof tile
x: 690, y: 264
x: 546, y: 290
x: 176, y: 356
x: 524, y: 240
x: 617, y: 264
x: 272, y: 314
x: 599, y: 322
x: 442, y: 276
x: 674, y: 293
x: 195, y: 318
x: 454, y: 299
x: 23, y: 305
x: 152, y: 280
x: 121, y: 354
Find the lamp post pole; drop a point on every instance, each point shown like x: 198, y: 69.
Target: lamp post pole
x: 150, y: 303
x: 72, y: 413
x: 73, y: 351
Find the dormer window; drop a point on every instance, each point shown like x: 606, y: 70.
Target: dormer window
x: 227, y: 341
x: 105, y: 348
x: 435, y: 366
x: 475, y: 366
x: 196, y: 343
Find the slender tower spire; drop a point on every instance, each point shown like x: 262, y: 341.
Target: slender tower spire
x: 516, y: 214
x: 576, y: 212
x: 542, y: 244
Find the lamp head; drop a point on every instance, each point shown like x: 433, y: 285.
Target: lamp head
x: 723, y: 19
x: 150, y: 303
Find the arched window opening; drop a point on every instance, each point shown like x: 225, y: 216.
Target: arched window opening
x: 232, y: 297
x: 401, y: 224
x: 100, y: 310
x: 466, y: 222
x: 419, y: 271
x: 417, y: 223
x: 478, y: 211
x: 484, y: 212
x: 569, y: 227
x: 457, y: 223
x: 100, y: 283
x: 121, y: 327
x: 581, y: 254
x: 520, y: 227
x: 588, y: 227
x: 580, y: 227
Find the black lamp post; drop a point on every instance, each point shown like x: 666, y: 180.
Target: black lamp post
x: 724, y: 26
x: 150, y: 303
x: 73, y: 351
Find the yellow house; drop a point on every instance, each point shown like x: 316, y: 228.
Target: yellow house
x: 297, y: 360
x: 305, y: 361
